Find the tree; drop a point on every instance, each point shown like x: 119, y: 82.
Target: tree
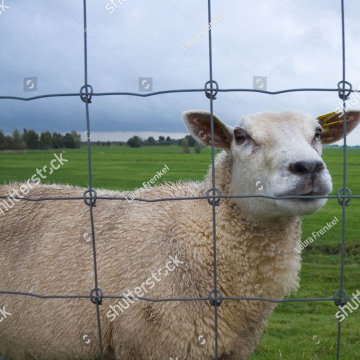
x: 191, y: 141
x: 77, y: 138
x: 151, y: 140
x: 31, y: 139
x: 135, y: 142
x: 168, y: 140
x: 24, y: 134
x: 18, y: 142
x: 69, y: 141
x: 9, y: 143
x: 198, y: 148
x: 185, y: 146
x: 45, y: 140
x: 161, y: 140
x: 2, y: 140
x: 57, y: 141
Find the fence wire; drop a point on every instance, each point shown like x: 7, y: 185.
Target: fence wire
x: 211, y: 88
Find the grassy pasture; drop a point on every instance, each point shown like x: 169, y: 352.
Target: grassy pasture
x: 300, y: 330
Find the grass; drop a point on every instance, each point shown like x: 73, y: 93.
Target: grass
x: 298, y: 330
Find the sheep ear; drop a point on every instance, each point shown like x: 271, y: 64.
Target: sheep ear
x: 199, y: 124
x: 333, y: 125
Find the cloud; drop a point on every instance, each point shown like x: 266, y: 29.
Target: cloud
x: 293, y: 44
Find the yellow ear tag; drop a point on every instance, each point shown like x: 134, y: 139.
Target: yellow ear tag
x: 323, y: 120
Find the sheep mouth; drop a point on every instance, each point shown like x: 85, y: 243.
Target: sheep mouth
x: 304, y: 196
x: 311, y: 193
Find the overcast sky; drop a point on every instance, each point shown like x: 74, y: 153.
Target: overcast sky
x: 294, y: 43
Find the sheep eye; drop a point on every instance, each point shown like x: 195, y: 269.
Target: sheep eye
x: 317, y: 133
x: 240, y: 135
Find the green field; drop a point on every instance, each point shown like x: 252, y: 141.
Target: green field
x: 301, y: 330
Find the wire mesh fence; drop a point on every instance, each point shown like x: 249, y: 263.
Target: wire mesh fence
x: 213, y: 195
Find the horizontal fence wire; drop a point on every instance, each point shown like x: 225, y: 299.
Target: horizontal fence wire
x: 211, y: 88
x: 38, y: 199
x: 155, y: 93
x: 248, y: 298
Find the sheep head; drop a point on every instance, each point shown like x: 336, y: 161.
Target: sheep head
x: 279, y: 153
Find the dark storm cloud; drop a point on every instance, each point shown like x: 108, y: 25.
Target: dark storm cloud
x: 293, y: 44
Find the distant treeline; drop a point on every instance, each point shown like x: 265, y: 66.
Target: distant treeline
x: 136, y: 141
x: 185, y: 143
x: 30, y: 139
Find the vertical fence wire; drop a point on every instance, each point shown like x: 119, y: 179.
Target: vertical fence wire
x: 96, y: 299
x: 341, y: 291
x: 213, y: 203
x: 90, y: 197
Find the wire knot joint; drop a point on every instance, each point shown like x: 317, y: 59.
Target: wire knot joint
x: 90, y: 197
x: 211, y: 91
x: 215, y: 298
x: 86, y: 93
x: 344, y: 92
x: 98, y: 298
x: 344, y: 199
x: 341, y: 298
x: 214, y: 197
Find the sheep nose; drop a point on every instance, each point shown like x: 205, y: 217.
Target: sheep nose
x: 306, y: 167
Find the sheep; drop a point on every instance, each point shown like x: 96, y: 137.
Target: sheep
x: 165, y: 250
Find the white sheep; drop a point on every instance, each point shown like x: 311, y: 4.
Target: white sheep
x: 165, y: 250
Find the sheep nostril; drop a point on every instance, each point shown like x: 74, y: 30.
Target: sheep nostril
x: 306, y: 167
